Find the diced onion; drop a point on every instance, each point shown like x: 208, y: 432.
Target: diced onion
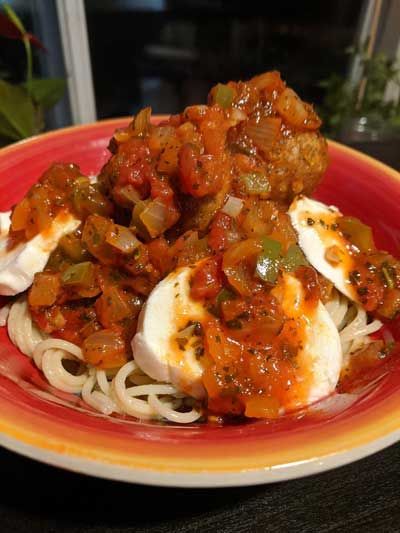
x: 264, y: 132
x: 232, y: 206
x: 291, y: 108
x: 79, y: 274
x: 130, y: 194
x: 154, y: 217
x: 104, y: 349
x: 122, y: 239
x: 142, y: 121
x: 237, y: 115
x: 267, y: 80
x: 236, y: 263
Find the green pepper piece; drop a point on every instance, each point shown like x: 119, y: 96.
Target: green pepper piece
x: 358, y: 233
x: 255, y: 183
x: 223, y: 95
x: 269, y: 260
x: 79, y: 274
x: 224, y: 295
x: 294, y: 258
x: 73, y: 247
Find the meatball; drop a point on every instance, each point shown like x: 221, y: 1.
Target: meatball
x: 296, y: 165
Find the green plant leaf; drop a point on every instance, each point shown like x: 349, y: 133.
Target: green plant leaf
x: 17, y: 109
x: 7, y: 131
x: 47, y: 92
x: 14, y: 18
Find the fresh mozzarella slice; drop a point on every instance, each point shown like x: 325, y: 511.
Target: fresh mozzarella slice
x: 319, y: 356
x: 167, y: 311
x: 323, y: 246
x: 5, y: 223
x: 19, y: 265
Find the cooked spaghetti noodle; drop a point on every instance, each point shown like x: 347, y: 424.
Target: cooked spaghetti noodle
x: 110, y: 392
x: 352, y: 323
x: 103, y: 391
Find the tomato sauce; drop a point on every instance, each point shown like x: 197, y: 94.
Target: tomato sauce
x: 159, y: 203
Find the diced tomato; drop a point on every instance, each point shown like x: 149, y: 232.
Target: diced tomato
x: 218, y: 237
x: 262, y: 407
x: 132, y: 165
x: 105, y: 349
x: 200, y: 175
x: 207, y: 280
x: 44, y: 290
x: 214, y: 127
x: 159, y: 255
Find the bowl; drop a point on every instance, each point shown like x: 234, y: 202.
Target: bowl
x: 59, y: 429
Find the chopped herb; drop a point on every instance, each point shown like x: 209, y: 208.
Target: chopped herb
x: 310, y: 221
x: 96, y: 238
x: 182, y: 342
x: 224, y: 295
x: 354, y: 277
x: 199, y: 352
x: 213, y: 310
x: 388, y: 273
x: 198, y: 329
x: 234, y: 324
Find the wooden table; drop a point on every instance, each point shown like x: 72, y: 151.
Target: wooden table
x: 361, y: 497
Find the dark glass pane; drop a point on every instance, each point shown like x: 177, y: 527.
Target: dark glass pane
x: 168, y: 54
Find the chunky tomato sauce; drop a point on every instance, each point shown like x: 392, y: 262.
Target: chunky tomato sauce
x: 209, y: 187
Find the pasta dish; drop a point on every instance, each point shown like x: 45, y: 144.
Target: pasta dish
x: 195, y: 278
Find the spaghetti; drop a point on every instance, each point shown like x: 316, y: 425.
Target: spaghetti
x: 128, y: 391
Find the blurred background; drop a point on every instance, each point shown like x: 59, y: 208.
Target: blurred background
x: 117, y: 56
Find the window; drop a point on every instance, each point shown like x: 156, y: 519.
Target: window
x: 167, y: 54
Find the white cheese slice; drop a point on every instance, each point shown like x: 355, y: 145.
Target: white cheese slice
x: 19, y: 265
x: 314, y: 223
x: 155, y: 349
x: 319, y: 358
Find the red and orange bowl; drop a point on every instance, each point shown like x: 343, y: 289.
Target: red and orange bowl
x: 57, y: 428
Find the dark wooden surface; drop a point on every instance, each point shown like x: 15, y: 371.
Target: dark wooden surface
x: 364, y: 496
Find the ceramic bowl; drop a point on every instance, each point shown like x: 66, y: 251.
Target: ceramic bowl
x: 57, y: 428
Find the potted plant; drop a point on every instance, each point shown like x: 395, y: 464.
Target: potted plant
x: 22, y: 105
x: 361, y: 112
